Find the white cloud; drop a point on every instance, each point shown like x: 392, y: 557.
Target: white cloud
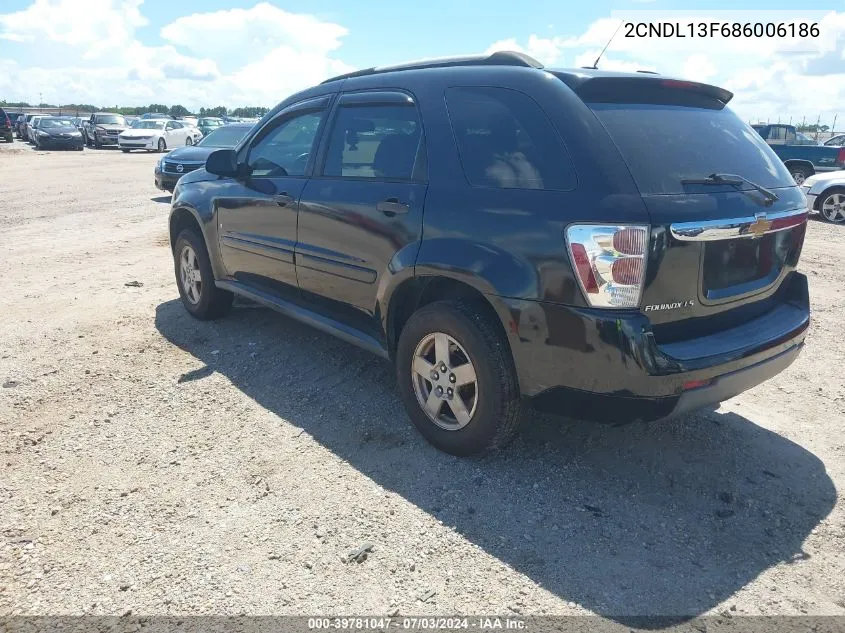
x: 548, y: 51
x: 240, y: 35
x: 253, y: 56
x: 97, y: 25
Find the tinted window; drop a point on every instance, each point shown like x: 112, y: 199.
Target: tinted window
x: 505, y: 140
x: 55, y: 124
x: 284, y: 151
x: 377, y: 141
x: 665, y: 144
x: 110, y: 119
x: 225, y: 136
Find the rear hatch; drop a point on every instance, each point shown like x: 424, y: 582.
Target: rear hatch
x: 719, y: 244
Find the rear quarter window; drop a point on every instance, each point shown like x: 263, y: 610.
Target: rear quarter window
x: 665, y: 144
x: 505, y: 140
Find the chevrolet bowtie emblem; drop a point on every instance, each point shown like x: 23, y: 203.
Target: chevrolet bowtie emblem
x: 760, y: 226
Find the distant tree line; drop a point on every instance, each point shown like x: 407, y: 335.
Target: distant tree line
x: 175, y: 110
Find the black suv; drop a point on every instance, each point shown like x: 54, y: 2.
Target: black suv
x: 602, y: 245
x: 7, y: 129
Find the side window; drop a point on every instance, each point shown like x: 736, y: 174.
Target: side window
x: 284, y: 151
x: 373, y: 141
x: 505, y: 140
x: 170, y: 126
x: 776, y: 133
x: 789, y: 135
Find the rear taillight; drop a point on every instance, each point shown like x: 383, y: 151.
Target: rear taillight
x: 609, y: 262
x: 840, y: 157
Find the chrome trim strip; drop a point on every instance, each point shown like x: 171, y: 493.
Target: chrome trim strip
x: 709, y: 230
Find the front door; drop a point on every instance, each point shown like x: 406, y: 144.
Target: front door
x: 365, y: 206
x: 257, y: 217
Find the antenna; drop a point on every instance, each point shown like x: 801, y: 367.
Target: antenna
x: 596, y: 63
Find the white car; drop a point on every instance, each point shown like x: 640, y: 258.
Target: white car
x: 30, y: 128
x: 157, y: 135
x: 826, y: 194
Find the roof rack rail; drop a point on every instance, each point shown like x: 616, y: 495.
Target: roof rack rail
x: 499, y: 58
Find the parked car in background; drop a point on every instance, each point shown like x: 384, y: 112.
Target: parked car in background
x: 16, y: 124
x: 505, y: 233
x: 23, y: 125
x: 7, y: 131
x: 30, y: 127
x: 183, y: 160
x: 55, y: 132
x: 103, y: 128
x: 155, y: 115
x: 208, y: 124
x: 157, y: 135
x: 836, y: 141
x: 802, y: 160
x: 826, y: 194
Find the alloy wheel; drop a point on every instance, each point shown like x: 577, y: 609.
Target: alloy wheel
x: 190, y: 274
x: 833, y: 207
x: 445, y: 381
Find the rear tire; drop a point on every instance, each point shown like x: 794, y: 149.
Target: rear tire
x: 489, y: 409
x: 832, y: 205
x: 162, y: 145
x: 800, y: 174
x: 195, y: 279
x: 125, y: 151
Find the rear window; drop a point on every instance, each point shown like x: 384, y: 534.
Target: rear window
x: 665, y: 144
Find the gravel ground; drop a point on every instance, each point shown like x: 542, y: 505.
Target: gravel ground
x: 161, y: 465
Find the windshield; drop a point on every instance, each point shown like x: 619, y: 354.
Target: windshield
x: 210, y: 122
x: 56, y: 123
x: 110, y: 119
x: 666, y: 144
x: 148, y: 124
x: 226, y: 136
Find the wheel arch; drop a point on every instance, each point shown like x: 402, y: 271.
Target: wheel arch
x: 817, y: 205
x: 421, y: 290
x: 799, y: 162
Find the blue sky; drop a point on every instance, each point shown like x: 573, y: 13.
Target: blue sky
x: 242, y: 52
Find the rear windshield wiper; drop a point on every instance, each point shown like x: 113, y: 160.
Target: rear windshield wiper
x: 731, y: 179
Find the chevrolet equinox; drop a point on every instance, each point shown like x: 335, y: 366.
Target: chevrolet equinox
x: 607, y: 246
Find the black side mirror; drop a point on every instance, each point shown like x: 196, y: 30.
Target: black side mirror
x: 222, y: 162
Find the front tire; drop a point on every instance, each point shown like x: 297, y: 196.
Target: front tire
x: 189, y: 141
x: 202, y: 299
x: 471, y: 406
x: 161, y: 146
x: 125, y: 151
x: 832, y: 205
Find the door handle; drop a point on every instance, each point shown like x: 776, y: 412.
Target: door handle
x: 391, y: 207
x: 283, y: 199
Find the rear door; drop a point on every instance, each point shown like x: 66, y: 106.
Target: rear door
x: 714, y: 246
x: 364, y: 206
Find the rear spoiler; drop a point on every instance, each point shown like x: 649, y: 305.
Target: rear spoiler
x: 624, y: 88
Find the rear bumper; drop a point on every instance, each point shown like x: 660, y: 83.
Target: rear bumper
x: 593, y: 365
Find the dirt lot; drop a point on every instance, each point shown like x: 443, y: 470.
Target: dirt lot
x: 157, y: 464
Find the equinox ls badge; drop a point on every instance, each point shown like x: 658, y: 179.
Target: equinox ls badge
x: 676, y: 305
